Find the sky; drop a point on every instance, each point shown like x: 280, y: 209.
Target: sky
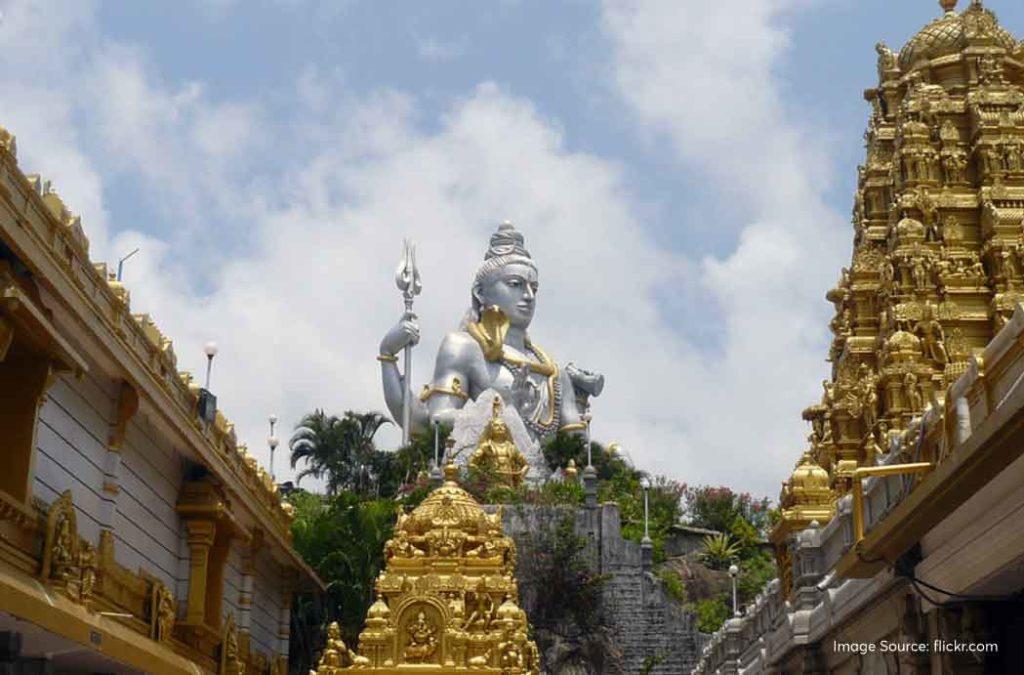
x: 682, y: 171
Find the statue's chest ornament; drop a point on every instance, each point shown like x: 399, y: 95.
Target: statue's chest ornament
x: 490, y: 333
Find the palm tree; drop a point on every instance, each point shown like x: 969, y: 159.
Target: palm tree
x: 339, y: 450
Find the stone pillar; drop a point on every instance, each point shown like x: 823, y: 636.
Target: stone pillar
x: 289, y: 584
x: 590, y: 487
x: 245, y: 602
x: 284, y: 627
x: 646, y: 554
x: 200, y: 539
x: 808, y: 566
x: 733, y: 629
x: 245, y: 595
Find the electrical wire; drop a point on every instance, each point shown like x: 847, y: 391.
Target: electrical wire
x: 960, y: 597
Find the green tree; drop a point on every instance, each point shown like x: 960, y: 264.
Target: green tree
x: 717, y: 508
x: 624, y: 487
x: 398, y: 472
x: 342, y: 538
x: 340, y: 451
x: 563, y: 446
x: 571, y: 630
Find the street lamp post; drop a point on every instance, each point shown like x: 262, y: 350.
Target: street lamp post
x: 437, y: 443
x: 210, y: 349
x: 436, y: 477
x: 589, y: 473
x: 207, y: 406
x: 272, y: 442
x: 646, y: 485
x: 646, y: 545
x: 733, y: 573
x: 121, y: 261
x: 586, y: 417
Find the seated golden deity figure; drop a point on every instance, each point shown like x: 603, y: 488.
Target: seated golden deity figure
x: 496, y: 453
x: 422, y: 640
x: 337, y: 656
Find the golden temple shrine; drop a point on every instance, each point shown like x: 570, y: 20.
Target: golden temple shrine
x: 447, y: 600
x: 938, y: 246
x: 899, y: 546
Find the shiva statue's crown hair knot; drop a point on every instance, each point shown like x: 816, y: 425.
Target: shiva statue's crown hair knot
x: 506, y: 241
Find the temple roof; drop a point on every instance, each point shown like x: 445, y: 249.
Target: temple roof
x: 951, y: 32
x: 448, y: 506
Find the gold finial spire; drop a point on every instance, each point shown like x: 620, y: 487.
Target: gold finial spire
x: 948, y: 5
x: 451, y: 473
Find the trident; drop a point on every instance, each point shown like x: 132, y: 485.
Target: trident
x: 407, y: 278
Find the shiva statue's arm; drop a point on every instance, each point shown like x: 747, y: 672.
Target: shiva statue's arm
x: 455, y: 377
x: 405, y: 332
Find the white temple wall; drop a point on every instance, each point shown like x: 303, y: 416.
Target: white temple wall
x: 146, y: 525
x: 267, y: 602
x: 232, y: 581
x: 71, y: 445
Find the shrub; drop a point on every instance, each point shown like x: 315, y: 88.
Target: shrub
x: 711, y: 614
x: 675, y: 587
x: 719, y: 551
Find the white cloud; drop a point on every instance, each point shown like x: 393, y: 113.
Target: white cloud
x: 299, y: 311
x: 702, y: 76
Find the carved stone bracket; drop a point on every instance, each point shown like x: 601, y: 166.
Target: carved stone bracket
x: 127, y: 406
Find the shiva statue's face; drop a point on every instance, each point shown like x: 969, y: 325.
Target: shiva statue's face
x: 513, y: 289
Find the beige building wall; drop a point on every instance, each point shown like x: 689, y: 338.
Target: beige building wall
x: 71, y: 448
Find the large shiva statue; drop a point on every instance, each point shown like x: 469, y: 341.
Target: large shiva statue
x: 492, y: 351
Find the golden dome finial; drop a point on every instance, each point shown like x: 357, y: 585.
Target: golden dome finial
x: 451, y: 473
x: 947, y: 5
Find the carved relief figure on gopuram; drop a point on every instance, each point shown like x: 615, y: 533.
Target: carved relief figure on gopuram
x: 491, y: 354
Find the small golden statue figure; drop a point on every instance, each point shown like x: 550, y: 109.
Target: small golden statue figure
x: 231, y: 656
x: 88, y: 565
x: 64, y: 550
x: 422, y: 640
x: 497, y: 454
x: 165, y: 613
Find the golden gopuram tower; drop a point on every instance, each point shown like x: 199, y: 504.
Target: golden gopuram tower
x: 447, y: 599
x: 938, y: 249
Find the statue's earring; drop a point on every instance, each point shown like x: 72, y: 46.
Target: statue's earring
x: 478, y: 302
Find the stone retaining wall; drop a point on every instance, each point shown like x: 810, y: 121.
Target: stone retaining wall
x: 647, y: 623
